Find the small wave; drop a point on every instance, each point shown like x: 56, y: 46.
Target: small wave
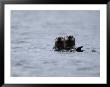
x: 16, y: 47
x: 85, y: 68
x: 20, y: 42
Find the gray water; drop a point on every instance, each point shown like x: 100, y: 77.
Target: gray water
x: 32, y: 39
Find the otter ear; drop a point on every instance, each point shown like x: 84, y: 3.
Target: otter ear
x: 56, y: 39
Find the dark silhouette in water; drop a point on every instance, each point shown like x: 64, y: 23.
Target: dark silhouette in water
x: 69, y: 43
x: 62, y: 44
x: 79, y: 49
x: 59, y: 44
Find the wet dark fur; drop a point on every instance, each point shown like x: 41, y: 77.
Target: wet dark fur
x: 62, y: 44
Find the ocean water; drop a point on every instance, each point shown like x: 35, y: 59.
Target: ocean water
x: 33, y: 35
